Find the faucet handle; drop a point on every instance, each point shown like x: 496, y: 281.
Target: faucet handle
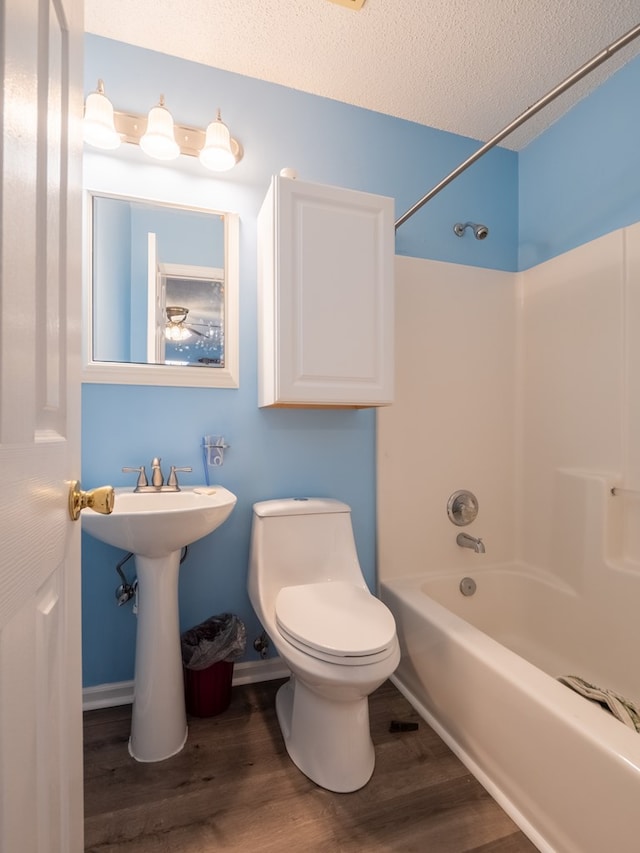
x: 173, y: 480
x: 142, y: 475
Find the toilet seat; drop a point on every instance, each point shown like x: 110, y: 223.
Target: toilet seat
x: 336, y: 621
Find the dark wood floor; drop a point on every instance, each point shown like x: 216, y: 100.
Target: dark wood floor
x: 233, y: 788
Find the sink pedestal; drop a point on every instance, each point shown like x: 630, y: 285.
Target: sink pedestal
x: 155, y: 526
x: 159, y: 719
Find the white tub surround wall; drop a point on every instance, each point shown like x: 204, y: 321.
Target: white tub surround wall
x: 452, y: 424
x: 631, y: 401
x: 504, y: 382
x: 572, y: 377
x: 580, y: 376
x: 631, y: 307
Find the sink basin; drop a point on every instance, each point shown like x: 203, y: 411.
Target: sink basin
x: 155, y: 524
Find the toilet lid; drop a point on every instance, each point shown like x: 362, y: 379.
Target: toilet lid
x: 336, y: 618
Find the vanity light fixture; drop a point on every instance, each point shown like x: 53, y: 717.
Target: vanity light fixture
x: 157, y: 134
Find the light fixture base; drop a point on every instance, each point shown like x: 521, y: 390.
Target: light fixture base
x: 349, y: 4
x: 190, y: 139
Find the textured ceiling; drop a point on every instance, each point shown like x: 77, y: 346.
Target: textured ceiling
x: 457, y: 65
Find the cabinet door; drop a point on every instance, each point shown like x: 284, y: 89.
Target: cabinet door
x: 334, y: 270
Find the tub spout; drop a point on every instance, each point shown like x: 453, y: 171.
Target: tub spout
x: 464, y: 540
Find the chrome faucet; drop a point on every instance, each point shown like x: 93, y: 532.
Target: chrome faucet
x: 464, y: 540
x: 157, y: 478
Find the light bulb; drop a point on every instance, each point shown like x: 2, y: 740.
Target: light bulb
x: 176, y: 332
x: 99, y: 126
x: 159, y: 139
x: 217, y: 154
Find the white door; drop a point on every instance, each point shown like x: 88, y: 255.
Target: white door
x: 40, y: 240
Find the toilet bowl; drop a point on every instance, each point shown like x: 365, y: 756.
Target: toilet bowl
x: 339, y: 641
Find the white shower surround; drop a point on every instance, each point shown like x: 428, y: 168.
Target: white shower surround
x: 525, y: 389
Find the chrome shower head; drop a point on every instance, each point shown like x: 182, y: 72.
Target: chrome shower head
x: 479, y: 231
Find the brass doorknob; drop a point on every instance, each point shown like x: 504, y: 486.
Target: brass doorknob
x: 100, y: 500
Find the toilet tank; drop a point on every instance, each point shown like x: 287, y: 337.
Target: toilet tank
x: 300, y: 541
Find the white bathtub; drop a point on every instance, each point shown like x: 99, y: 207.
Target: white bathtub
x: 565, y: 770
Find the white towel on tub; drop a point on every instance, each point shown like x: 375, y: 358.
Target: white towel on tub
x: 621, y: 708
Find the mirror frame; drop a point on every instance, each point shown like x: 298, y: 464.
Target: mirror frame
x: 127, y: 373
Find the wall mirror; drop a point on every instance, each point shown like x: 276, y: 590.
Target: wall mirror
x: 161, y: 293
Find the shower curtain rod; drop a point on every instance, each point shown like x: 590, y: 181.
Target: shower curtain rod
x: 530, y: 111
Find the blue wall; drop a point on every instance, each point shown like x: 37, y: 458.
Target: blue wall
x: 111, y: 335
x: 283, y: 452
x: 581, y: 179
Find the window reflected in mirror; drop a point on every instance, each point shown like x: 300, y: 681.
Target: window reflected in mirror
x: 192, y: 316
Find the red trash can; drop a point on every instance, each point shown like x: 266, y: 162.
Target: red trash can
x: 207, y: 692
x: 208, y: 652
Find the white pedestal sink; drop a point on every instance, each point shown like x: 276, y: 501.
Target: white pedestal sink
x: 155, y: 527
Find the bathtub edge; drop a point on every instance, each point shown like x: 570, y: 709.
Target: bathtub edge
x: 492, y: 788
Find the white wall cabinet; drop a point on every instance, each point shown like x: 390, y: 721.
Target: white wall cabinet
x: 325, y: 296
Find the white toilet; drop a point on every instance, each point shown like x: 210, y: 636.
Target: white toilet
x: 338, y: 640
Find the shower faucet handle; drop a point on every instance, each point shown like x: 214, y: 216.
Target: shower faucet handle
x: 142, y: 476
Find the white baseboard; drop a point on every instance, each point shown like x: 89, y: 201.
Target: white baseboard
x: 252, y: 671
x: 121, y: 692
x: 107, y: 695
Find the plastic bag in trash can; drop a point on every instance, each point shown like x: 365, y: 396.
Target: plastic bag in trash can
x: 222, y: 637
